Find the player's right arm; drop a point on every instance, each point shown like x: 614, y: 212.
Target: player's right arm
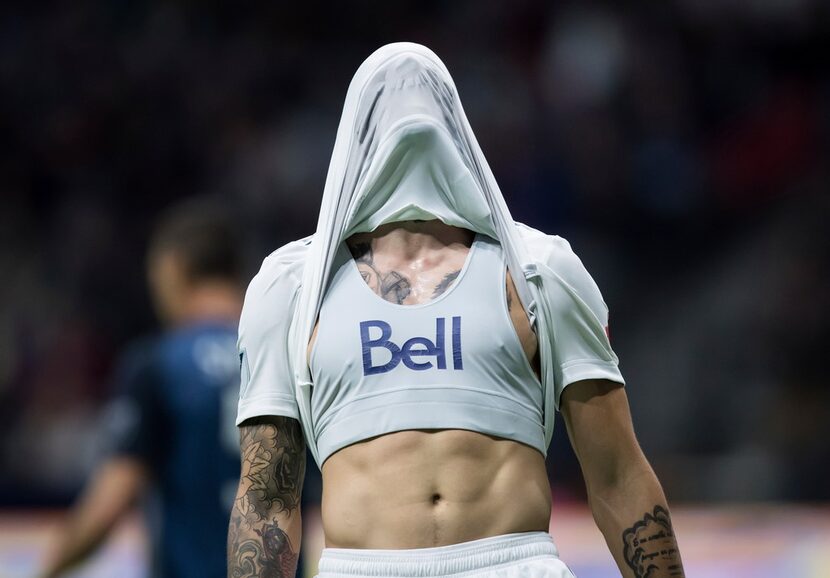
x: 266, y: 525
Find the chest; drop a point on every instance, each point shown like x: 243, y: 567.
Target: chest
x: 416, y: 315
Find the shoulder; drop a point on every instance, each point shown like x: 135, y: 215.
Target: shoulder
x: 281, y: 272
x: 272, y: 292
x: 283, y: 266
x: 553, y: 252
x: 560, y: 265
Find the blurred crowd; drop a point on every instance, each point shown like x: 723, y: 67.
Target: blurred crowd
x: 682, y: 147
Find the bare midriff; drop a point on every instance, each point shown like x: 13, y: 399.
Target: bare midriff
x: 426, y: 488
x: 419, y: 489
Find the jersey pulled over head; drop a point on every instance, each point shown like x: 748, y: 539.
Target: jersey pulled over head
x: 407, y: 154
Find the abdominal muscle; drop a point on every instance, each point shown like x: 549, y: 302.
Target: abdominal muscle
x: 425, y: 488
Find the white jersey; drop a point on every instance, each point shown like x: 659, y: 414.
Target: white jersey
x: 454, y: 362
x: 580, y: 346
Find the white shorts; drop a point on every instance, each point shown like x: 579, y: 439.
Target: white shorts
x: 525, y: 555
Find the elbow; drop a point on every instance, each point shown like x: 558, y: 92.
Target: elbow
x: 620, y: 478
x: 615, y: 492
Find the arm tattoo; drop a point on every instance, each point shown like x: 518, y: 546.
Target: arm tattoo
x: 273, y: 466
x: 649, y: 546
x: 392, y: 286
x: 445, y: 283
x: 269, y: 555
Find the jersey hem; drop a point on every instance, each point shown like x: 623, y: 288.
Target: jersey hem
x: 276, y: 405
x: 581, y: 370
x: 391, y: 415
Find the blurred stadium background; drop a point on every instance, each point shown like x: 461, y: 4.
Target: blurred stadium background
x: 682, y: 147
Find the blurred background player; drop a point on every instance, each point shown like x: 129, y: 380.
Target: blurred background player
x: 170, y: 435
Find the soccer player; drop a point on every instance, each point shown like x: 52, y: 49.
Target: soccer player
x: 171, y: 425
x: 419, y: 344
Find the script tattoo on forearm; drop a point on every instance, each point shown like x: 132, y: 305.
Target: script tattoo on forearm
x: 649, y: 546
x: 271, y: 480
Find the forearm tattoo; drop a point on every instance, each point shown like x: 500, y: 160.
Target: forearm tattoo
x: 271, y: 480
x: 649, y: 546
x: 393, y: 286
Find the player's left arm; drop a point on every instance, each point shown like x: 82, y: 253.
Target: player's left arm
x: 624, y: 494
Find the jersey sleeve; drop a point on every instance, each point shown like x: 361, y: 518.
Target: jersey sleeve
x: 577, y: 317
x: 135, y: 421
x: 267, y: 378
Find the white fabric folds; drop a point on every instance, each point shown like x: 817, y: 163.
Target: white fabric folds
x: 405, y: 151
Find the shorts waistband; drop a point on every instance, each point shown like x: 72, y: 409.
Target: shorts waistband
x: 440, y: 561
